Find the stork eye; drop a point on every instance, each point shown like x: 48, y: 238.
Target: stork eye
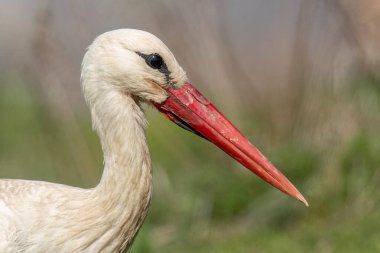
x: 154, y: 60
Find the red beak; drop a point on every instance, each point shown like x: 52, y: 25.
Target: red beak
x: 189, y: 109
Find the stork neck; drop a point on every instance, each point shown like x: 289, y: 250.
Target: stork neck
x: 120, y: 123
x: 125, y: 186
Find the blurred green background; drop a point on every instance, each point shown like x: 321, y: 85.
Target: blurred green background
x: 299, y: 78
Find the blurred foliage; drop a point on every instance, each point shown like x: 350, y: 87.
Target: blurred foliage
x: 203, y: 201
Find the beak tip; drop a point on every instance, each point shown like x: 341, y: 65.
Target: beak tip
x: 302, y: 199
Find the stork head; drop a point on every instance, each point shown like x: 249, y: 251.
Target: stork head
x: 138, y: 64
x: 134, y: 62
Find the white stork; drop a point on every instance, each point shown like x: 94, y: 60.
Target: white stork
x: 121, y: 70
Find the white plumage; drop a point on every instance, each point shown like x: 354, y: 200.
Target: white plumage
x: 45, y: 217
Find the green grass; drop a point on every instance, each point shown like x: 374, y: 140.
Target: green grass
x: 204, y: 201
